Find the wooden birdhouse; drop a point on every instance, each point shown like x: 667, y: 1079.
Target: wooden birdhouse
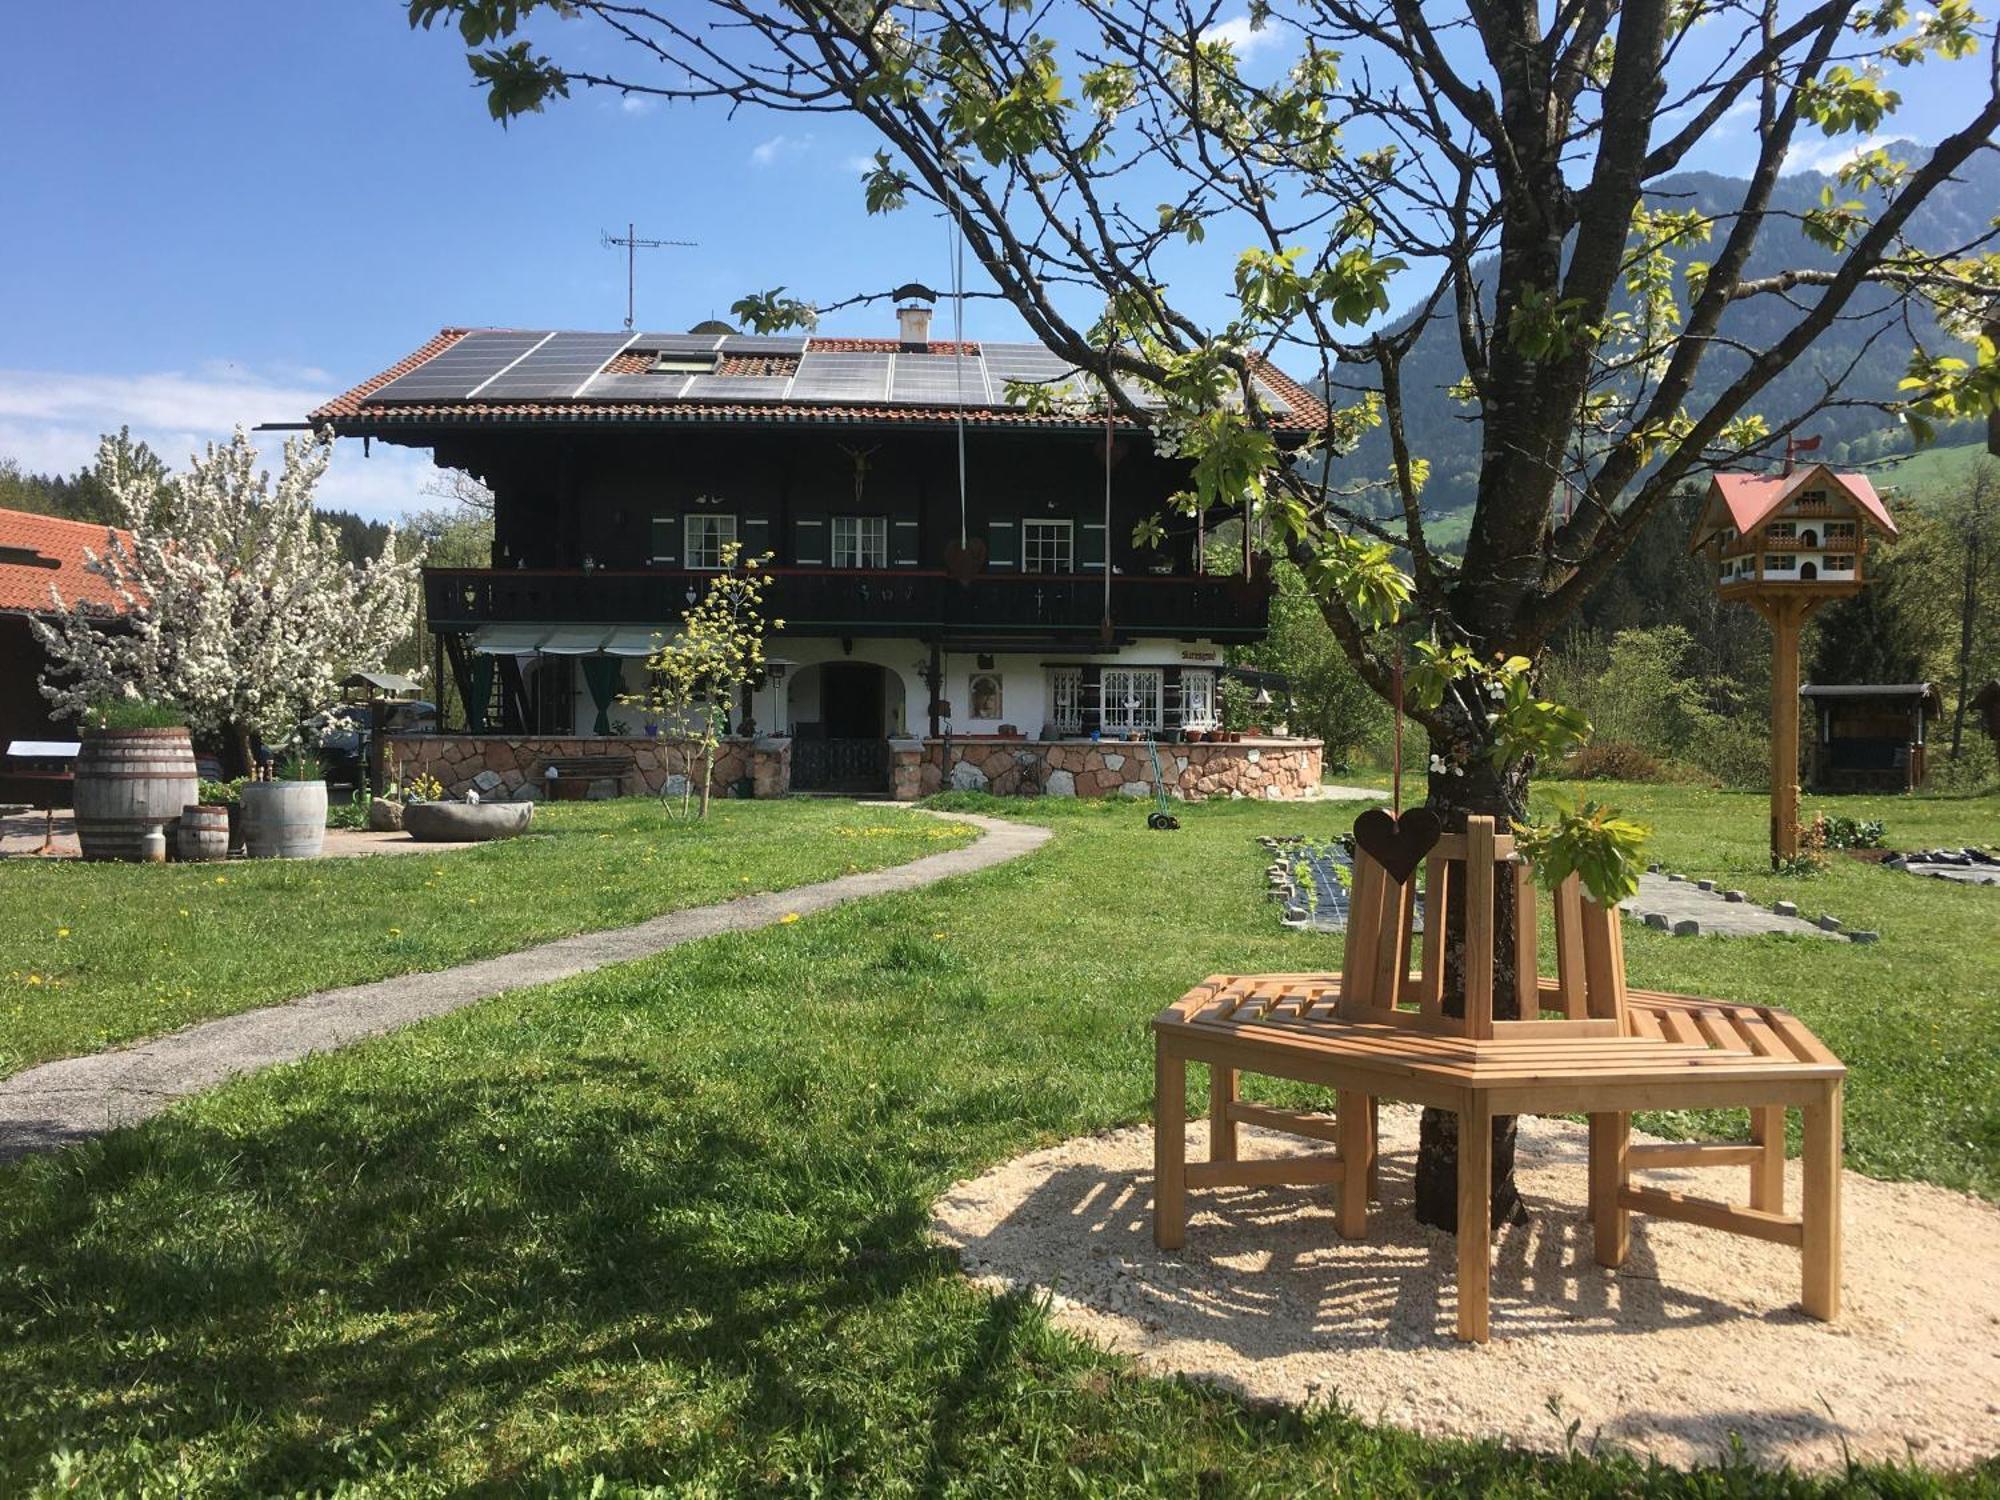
x: 1784, y: 544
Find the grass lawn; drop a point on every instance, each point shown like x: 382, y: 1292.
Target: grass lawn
x: 93, y: 955
x: 664, y: 1224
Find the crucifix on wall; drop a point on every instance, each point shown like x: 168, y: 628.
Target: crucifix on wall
x: 860, y: 457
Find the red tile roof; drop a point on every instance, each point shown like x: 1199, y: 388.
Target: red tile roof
x: 348, y: 415
x: 1752, y: 498
x: 24, y: 584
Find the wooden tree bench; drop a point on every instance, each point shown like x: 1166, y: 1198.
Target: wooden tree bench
x: 1378, y: 1031
x: 589, y: 768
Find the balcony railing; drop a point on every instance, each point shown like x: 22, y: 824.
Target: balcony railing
x: 897, y: 601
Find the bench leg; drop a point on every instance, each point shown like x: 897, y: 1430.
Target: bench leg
x: 1767, y: 1177
x: 1169, y: 1147
x: 1611, y: 1224
x: 1221, y: 1128
x: 1475, y: 1221
x: 1374, y: 1148
x: 1355, y: 1140
x: 1821, y: 1208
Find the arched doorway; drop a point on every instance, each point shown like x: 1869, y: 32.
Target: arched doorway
x: 1809, y: 538
x: 841, y: 713
x: 1808, y: 571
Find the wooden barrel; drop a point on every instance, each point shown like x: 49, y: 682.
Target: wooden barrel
x: 129, y: 780
x: 204, y: 834
x: 284, y: 819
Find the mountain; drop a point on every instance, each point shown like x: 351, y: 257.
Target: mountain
x: 1440, y: 431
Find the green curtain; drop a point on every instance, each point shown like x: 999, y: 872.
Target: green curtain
x: 481, y: 675
x: 600, y: 674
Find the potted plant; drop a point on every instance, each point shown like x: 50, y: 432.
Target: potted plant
x: 227, y: 795
x: 285, y: 818
x: 134, y: 774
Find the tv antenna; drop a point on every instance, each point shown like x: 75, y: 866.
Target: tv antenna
x: 631, y: 244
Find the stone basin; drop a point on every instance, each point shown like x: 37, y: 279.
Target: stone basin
x: 465, y: 822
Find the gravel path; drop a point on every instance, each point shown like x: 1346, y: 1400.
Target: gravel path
x: 60, y: 1103
x: 1698, y: 1337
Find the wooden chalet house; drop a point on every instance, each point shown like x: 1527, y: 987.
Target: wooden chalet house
x: 622, y: 464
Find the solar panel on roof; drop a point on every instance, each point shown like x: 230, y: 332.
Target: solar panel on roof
x: 737, y: 388
x: 555, y: 369
x: 763, y: 343
x: 938, y: 380
x: 450, y: 375
x: 679, y: 343
x: 841, y: 377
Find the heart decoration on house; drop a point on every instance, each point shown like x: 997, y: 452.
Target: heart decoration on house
x: 1398, y: 845
x: 963, y: 560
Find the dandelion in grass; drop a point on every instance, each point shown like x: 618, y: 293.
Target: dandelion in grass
x: 789, y: 917
x: 62, y: 932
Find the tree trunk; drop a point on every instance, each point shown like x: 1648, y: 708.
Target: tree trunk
x: 707, y: 774
x: 1968, y: 611
x: 237, y: 738
x: 1470, y: 785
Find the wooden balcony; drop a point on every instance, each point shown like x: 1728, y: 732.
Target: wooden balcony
x: 997, y: 607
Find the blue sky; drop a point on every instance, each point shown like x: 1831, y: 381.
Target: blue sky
x: 224, y: 210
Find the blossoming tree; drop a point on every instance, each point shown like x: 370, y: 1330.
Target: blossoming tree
x: 719, y: 650
x: 240, y: 610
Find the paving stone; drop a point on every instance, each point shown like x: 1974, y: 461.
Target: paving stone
x: 1687, y: 927
x: 1785, y: 908
x: 1656, y: 919
x: 1704, y: 885
x: 1864, y: 935
x: 1734, y: 897
x: 1829, y: 922
x: 1663, y: 904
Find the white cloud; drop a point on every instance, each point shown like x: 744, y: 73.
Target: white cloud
x: 777, y: 148
x: 1822, y: 155
x: 860, y: 164
x: 50, y: 422
x: 1245, y: 42
x: 638, y: 104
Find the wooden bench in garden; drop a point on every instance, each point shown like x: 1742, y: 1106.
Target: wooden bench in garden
x: 1379, y: 1031
x: 589, y: 768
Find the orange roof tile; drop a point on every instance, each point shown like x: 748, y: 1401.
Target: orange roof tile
x: 24, y: 583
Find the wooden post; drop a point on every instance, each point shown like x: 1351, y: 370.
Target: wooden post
x: 1221, y: 1123
x: 1611, y: 1222
x: 1169, y: 1147
x: 1475, y: 1216
x: 1821, y: 1209
x: 1354, y: 1124
x: 1785, y: 616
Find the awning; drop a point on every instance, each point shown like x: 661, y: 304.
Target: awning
x: 575, y: 640
x: 635, y: 640
x: 508, y: 640
x: 387, y: 682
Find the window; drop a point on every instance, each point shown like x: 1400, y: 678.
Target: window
x: 1840, y: 563
x: 861, y: 541
x: 706, y: 537
x: 1780, y: 531
x: 1066, y: 699
x: 1048, y: 547
x: 1197, y: 700
x: 1840, y: 531
x: 684, y: 364
x: 1131, y: 698
x: 1781, y: 562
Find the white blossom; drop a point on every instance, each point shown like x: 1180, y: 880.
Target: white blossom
x: 239, y: 609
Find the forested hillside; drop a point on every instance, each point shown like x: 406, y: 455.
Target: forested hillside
x: 1862, y: 356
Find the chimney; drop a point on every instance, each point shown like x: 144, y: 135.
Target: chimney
x: 913, y: 314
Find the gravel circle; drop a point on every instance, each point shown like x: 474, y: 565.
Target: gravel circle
x: 1696, y: 1343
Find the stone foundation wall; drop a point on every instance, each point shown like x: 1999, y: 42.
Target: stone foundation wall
x: 512, y: 766
x: 1269, y: 769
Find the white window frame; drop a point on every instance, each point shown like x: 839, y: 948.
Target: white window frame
x: 1066, y: 699
x: 1057, y: 544
x: 1197, y: 699
x: 697, y: 552
x: 1117, y: 684
x: 859, y: 542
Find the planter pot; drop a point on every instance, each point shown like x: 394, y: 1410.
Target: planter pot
x: 235, y: 810
x: 284, y: 819
x: 203, y: 835
x: 466, y: 822
x: 127, y: 782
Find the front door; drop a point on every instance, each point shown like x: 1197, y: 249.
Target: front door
x: 852, y: 754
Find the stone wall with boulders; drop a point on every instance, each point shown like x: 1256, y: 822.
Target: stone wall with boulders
x: 1264, y: 768
x: 513, y: 766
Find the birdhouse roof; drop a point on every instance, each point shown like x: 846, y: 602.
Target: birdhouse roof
x: 1747, y: 501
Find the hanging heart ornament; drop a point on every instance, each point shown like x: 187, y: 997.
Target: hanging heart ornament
x: 1398, y: 845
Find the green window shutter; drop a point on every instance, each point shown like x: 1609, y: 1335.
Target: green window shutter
x: 1090, y: 546
x: 904, y: 536
x: 666, y: 539
x: 755, y: 533
x: 811, y: 539
x: 1003, y: 542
